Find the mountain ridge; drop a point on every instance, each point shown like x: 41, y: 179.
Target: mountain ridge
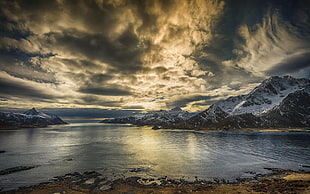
x: 258, y: 109
x: 28, y: 119
x: 154, y: 118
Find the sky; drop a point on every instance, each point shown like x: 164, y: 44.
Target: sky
x: 146, y: 54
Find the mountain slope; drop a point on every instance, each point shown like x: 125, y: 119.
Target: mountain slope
x: 264, y: 97
x: 211, y: 116
x: 30, y: 118
x: 293, y: 111
x: 276, y: 102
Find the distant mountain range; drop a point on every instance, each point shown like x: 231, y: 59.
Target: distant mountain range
x: 278, y: 102
x: 154, y: 118
x: 30, y: 118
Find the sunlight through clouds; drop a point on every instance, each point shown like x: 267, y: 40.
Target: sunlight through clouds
x: 126, y: 53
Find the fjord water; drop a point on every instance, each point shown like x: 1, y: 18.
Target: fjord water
x: 115, y: 150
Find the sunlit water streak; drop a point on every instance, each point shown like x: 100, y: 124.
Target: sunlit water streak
x: 114, y: 149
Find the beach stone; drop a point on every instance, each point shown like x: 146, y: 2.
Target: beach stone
x: 91, y: 173
x: 105, y: 187
x: 90, y: 181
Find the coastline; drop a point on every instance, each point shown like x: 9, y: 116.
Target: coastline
x: 247, y: 129
x: 278, y: 181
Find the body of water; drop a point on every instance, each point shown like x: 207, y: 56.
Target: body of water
x: 115, y: 150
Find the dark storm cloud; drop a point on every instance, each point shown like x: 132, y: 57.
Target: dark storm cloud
x: 97, y: 83
x: 144, y: 49
x: 19, y: 55
x: 80, y: 64
x: 13, y: 60
x: 88, y: 112
x: 227, y: 37
x: 121, y: 54
x: 160, y: 69
x: 222, y: 45
x: 9, y: 27
x: 183, y: 101
x: 105, y: 91
x: 293, y: 65
x: 95, y: 100
x: 100, y: 78
x: 110, y: 38
x: 11, y: 88
x: 12, y: 33
x: 230, y: 75
x: 133, y: 107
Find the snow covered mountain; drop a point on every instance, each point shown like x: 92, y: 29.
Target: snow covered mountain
x: 294, y: 110
x: 30, y: 118
x: 276, y: 102
x: 154, y: 118
x: 264, y: 97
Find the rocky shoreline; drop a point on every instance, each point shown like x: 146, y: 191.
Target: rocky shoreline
x: 278, y: 181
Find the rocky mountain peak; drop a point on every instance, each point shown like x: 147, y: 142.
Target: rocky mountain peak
x: 265, y: 96
x: 32, y: 111
x: 30, y: 118
x: 276, y: 102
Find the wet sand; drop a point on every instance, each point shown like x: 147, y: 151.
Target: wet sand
x: 279, y: 181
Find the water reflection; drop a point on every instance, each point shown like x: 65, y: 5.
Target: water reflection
x: 175, y: 153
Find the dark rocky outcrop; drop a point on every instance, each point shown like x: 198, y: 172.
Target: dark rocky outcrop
x: 15, y: 169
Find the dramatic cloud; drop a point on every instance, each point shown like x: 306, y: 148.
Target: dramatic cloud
x: 105, y: 91
x: 11, y: 86
x: 297, y: 64
x: 137, y: 54
x: 269, y: 44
